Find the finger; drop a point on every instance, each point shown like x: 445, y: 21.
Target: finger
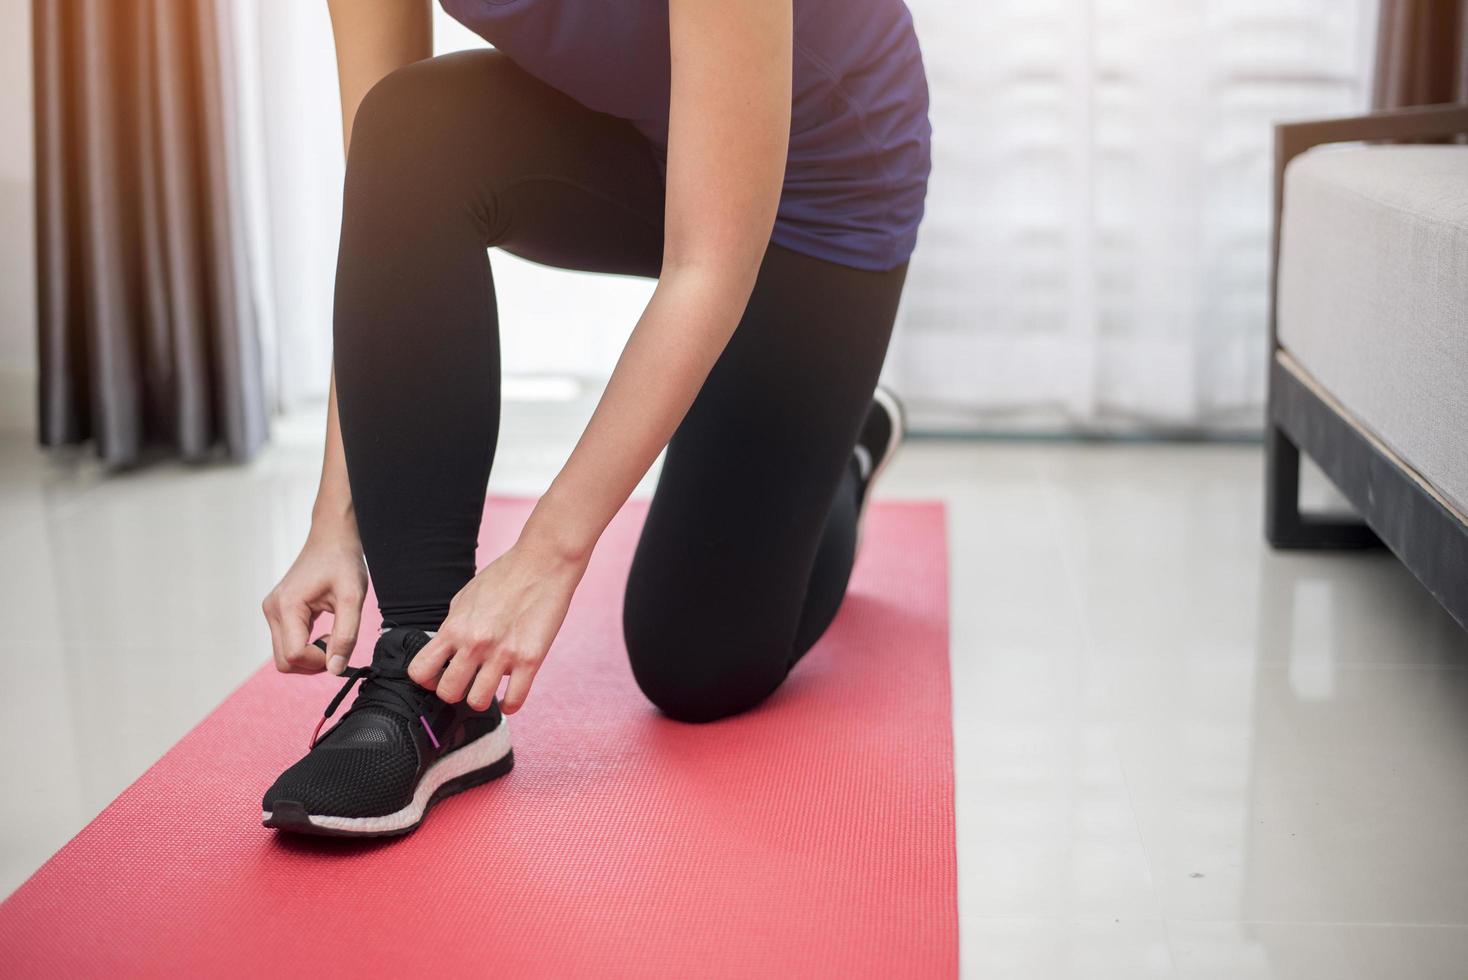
x: 486, y: 682
x: 319, y: 643
x: 268, y: 608
x: 345, y: 620
x: 302, y: 657
x: 457, y: 676
x: 428, y: 663
x: 518, y: 689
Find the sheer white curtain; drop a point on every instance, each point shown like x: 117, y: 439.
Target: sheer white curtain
x: 291, y: 144
x: 1094, y: 255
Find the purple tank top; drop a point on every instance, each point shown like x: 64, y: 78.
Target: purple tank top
x: 858, y: 165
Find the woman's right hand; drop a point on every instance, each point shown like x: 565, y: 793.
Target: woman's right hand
x: 329, y: 575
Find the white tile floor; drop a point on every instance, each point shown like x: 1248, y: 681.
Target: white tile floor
x: 1178, y: 754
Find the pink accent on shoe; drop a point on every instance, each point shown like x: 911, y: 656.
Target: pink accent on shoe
x: 427, y: 728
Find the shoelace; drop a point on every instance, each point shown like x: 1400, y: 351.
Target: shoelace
x: 385, y: 695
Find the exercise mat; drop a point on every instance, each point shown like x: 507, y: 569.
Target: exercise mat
x: 810, y: 837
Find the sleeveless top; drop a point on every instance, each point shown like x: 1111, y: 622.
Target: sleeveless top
x: 857, y: 169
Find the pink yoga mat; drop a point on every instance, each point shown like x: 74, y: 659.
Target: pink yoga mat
x: 811, y: 837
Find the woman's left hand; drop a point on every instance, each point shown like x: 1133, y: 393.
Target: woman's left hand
x: 501, y: 623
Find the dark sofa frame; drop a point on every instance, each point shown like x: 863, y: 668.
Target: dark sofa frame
x: 1400, y: 509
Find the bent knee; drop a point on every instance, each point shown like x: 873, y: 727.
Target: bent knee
x: 697, y: 678
x: 694, y: 693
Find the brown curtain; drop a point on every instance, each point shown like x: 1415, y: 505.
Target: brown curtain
x: 1421, y: 53
x: 147, y: 330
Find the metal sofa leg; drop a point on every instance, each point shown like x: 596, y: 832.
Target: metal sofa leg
x: 1284, y: 526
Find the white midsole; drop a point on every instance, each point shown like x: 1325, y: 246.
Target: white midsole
x: 482, y: 752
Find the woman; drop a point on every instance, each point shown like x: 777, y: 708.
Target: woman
x: 766, y: 162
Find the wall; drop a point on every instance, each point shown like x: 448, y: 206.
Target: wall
x: 17, y: 223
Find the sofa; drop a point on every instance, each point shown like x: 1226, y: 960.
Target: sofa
x: 1368, y: 370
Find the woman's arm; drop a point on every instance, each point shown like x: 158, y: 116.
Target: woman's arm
x: 729, y: 129
x: 728, y: 133
x: 373, y: 38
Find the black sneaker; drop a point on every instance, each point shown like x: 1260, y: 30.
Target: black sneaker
x: 396, y: 752
x: 881, y: 434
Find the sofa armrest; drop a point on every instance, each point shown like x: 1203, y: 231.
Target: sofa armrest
x: 1293, y: 139
x: 1415, y: 123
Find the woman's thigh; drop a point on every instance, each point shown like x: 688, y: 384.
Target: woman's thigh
x: 472, y: 138
x: 718, y: 582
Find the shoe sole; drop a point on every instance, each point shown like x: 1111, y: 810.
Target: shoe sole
x: 486, y: 758
x: 888, y: 400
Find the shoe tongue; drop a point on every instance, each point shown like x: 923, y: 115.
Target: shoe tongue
x: 396, y: 648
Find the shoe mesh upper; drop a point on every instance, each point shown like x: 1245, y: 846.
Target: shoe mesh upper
x: 366, y: 767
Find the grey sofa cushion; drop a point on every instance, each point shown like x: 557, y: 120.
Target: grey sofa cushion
x: 1373, y: 295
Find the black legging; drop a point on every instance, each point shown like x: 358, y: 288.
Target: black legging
x: 749, y: 541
